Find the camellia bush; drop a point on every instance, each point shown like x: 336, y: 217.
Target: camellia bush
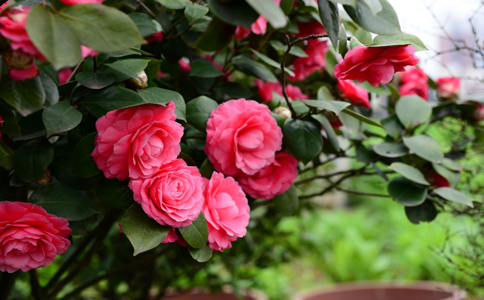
x: 174, y: 119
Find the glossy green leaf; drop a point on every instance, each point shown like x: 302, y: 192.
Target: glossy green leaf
x: 217, y: 36
x: 384, y: 22
x: 96, y: 81
x: 146, y: 25
x: 50, y: 89
x: 31, y: 159
x: 384, y: 40
x: 204, y: 68
x: 374, y: 89
x: 453, y: 195
x: 234, y: 90
x: 99, y: 103
x: 425, y: 147
x: 162, y: 96
x: 329, y: 130
x: 143, y: 232
x: 115, y: 193
x: 173, y: 4
x: 194, y: 11
x: 253, y: 68
x: 26, y: 96
x: 303, y: 139
x: 271, y: 62
x: 324, y: 93
x: 102, y: 28
x: 288, y: 202
x: 328, y: 11
x: 196, y: 234
x: 236, y: 13
x: 342, y: 41
x: 452, y: 177
x: 129, y: 67
x: 296, y: 51
x: 82, y: 160
x: 61, y: 117
x: 64, y: 202
x: 406, y: 192
x: 425, y: 212
x: 412, y: 111
x: 271, y: 11
x: 198, y: 111
x: 409, y: 172
x: 201, y: 255
x: 392, y: 126
x: 360, y: 117
x: 354, y: 42
x: 334, y: 106
x: 53, y: 36
x: 390, y: 150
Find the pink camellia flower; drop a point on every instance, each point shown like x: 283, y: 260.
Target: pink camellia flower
x: 28, y: 73
x: 258, y: 27
x: 227, y: 211
x: 273, y: 180
x: 241, y: 32
x: 242, y: 137
x: 64, y: 74
x: 448, y: 87
x: 436, y: 179
x: 173, y: 237
x: 413, y: 74
x: 295, y: 93
x: 356, y: 94
x: 74, y: 2
x: 315, y: 61
x: 265, y: 89
x: 415, y: 88
x: 375, y: 64
x: 30, y: 238
x: 136, y: 141
x: 184, y: 65
x: 85, y: 52
x: 155, y: 37
x: 173, y: 196
x: 309, y: 28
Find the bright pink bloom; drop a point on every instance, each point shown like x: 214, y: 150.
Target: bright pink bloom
x: 136, y: 141
x: 184, y: 64
x: 30, y: 238
x: 85, y: 52
x: 28, y: 73
x: 295, y: 93
x: 227, y: 211
x: 415, y: 88
x: 356, y: 94
x: 273, y: 180
x: 12, y: 27
x: 258, y: 27
x: 315, y: 61
x: 413, y: 74
x: 375, y: 64
x: 241, y: 32
x: 448, y: 87
x: 155, y: 37
x: 171, y: 237
x: 265, y: 89
x: 64, y: 74
x: 74, y: 2
x: 242, y: 137
x: 173, y: 196
x: 309, y: 28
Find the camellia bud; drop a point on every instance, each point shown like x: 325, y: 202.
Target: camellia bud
x: 46, y: 178
x: 16, y: 59
x: 283, y: 112
x: 138, y: 83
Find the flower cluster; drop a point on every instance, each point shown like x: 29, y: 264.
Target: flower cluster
x: 414, y: 82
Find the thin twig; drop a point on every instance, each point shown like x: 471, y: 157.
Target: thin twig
x: 148, y: 10
x: 74, y: 71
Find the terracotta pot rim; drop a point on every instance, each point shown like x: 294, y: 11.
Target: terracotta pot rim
x: 366, y: 285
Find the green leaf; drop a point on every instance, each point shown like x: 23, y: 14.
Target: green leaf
x: 384, y: 40
x: 102, y: 28
x: 162, y: 96
x: 271, y: 11
x: 100, y: 102
x: 129, y: 67
x: 409, y: 172
x: 426, y: 212
x: 143, y: 232
x: 198, y: 111
x: 287, y: 203
x: 331, y: 61
x: 206, y: 169
x: 234, y: 90
x: 390, y: 150
x: 425, y: 147
x: 324, y: 93
x: 173, y: 4
x: 196, y: 234
x: 303, y: 139
x: 96, y: 81
x: 363, y: 154
x: 64, y: 172
x: 50, y: 90
x: 343, y: 42
x: 60, y: 118
x: 452, y: 177
x: 53, y: 37
x: 217, y: 36
x: 202, y: 254
x: 392, y: 126
x: 360, y: 117
x: 296, y: 51
x: 354, y: 42
x: 115, y: 193
x: 253, y: 68
x: 384, y: 22
x: 26, y: 96
x: 453, y: 195
x: 374, y: 89
x: 451, y: 165
x: 406, y: 192
x: 374, y: 5
x: 31, y: 159
x: 82, y: 160
x: 204, y: 68
x: 329, y: 130
x: 334, y: 106
x: 146, y: 25
x: 194, y: 11
x: 328, y: 11
x: 64, y: 202
x: 237, y: 13
x: 271, y: 62
x: 412, y: 111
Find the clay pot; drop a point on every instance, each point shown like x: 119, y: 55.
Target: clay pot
x: 387, y: 291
